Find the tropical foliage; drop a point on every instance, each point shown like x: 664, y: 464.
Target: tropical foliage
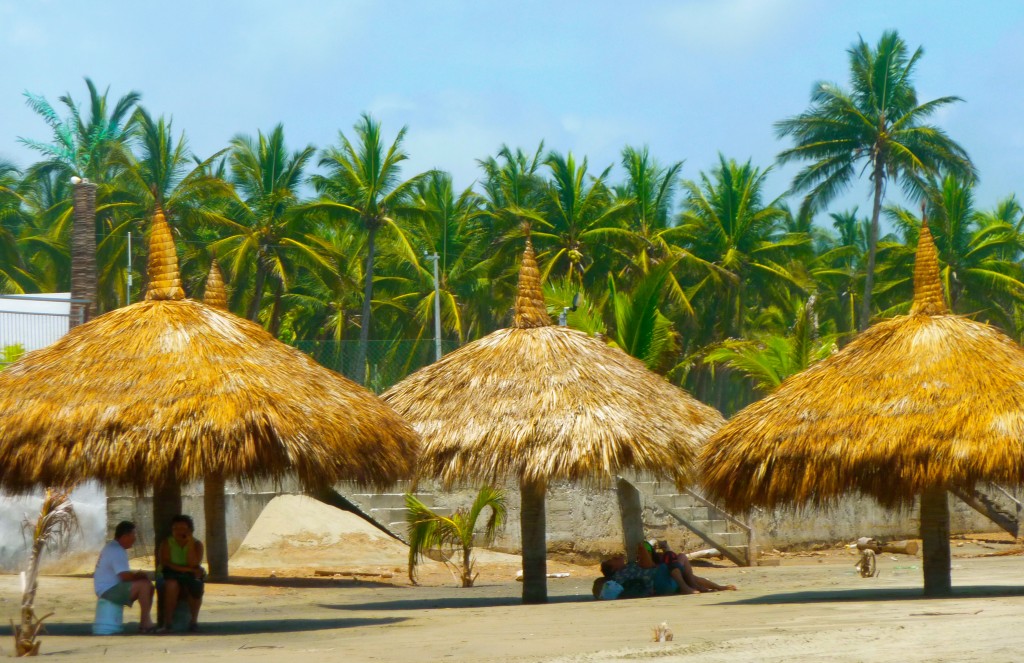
x: 703, y: 276
x: 455, y: 534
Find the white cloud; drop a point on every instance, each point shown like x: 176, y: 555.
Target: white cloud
x: 726, y: 25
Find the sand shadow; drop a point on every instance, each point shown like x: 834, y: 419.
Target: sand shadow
x: 452, y: 602
x: 879, y: 594
x: 324, y: 582
x: 215, y: 628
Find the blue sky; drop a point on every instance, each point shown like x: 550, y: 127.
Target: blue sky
x: 689, y: 79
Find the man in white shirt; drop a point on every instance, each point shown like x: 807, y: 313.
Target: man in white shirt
x: 114, y: 580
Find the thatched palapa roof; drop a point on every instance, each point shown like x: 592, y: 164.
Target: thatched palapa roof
x: 172, y: 389
x: 538, y: 402
x: 922, y: 401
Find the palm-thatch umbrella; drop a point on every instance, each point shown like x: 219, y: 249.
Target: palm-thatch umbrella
x: 214, y: 508
x: 538, y: 403
x: 914, y: 406
x: 170, y: 390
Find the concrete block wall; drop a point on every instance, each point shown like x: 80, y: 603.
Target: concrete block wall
x: 582, y: 522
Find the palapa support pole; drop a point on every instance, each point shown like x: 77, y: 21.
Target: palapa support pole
x: 164, y: 283
x: 214, y: 503
x: 214, y: 512
x: 530, y: 312
x: 631, y: 511
x: 533, y: 529
x: 928, y: 300
x: 935, y: 554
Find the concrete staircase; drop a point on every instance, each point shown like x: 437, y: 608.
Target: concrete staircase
x: 995, y: 503
x: 717, y: 528
x: 388, y: 509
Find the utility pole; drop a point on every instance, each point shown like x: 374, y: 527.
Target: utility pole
x: 128, y: 281
x: 437, y: 305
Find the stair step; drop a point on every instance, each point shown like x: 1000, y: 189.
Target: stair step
x: 389, y: 500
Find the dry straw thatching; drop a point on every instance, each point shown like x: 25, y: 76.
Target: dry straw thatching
x: 914, y: 406
x: 169, y: 389
x: 538, y: 403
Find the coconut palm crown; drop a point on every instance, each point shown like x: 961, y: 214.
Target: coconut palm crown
x: 914, y: 406
x: 169, y: 389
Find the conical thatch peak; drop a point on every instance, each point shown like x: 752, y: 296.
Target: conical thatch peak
x: 164, y: 281
x: 215, y: 295
x: 530, y: 308
x: 928, y: 299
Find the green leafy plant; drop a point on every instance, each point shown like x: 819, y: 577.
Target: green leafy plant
x: 447, y: 536
x: 12, y: 353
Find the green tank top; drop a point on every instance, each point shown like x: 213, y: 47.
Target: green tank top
x: 179, y: 554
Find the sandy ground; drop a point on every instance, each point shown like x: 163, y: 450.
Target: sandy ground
x: 811, y: 607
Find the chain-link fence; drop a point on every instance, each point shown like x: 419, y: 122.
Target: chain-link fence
x: 387, y: 361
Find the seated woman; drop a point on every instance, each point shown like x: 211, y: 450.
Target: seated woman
x: 179, y: 562
x: 646, y: 577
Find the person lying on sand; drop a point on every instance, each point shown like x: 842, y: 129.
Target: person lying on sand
x: 670, y: 573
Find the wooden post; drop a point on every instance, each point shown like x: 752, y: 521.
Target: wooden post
x: 935, y: 542
x: 533, y: 528
x: 632, y: 514
x: 216, y: 526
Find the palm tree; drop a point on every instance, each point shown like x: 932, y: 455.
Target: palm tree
x: 447, y: 535
x: 163, y: 174
x: 745, y: 256
x: 513, y: 190
x: 880, y: 124
x: 769, y: 360
x: 837, y: 268
x: 363, y: 185
x: 449, y: 224
x: 81, y: 149
x: 15, y: 272
x: 641, y: 329
x: 56, y: 524
x: 267, y: 226
x: 726, y: 223
x: 651, y: 189
x: 977, y: 253
x: 577, y: 217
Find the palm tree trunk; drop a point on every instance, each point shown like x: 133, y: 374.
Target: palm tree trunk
x: 467, y: 566
x: 275, y: 312
x: 935, y: 542
x: 216, y: 526
x: 533, y: 530
x: 166, y: 505
x: 869, y: 278
x: 364, y: 323
x: 257, y: 294
x: 83, y: 250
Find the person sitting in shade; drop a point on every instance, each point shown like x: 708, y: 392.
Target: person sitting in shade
x: 114, y: 581
x: 654, y: 574
x: 179, y: 564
